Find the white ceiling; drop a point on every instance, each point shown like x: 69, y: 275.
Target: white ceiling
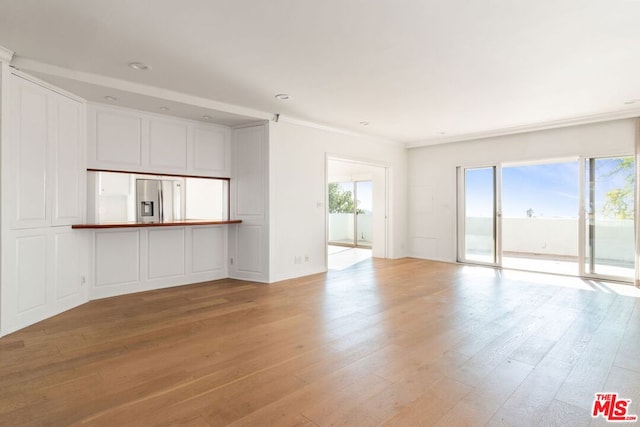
x: 419, y: 71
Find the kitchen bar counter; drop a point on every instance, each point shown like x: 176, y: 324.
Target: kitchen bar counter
x: 155, y: 224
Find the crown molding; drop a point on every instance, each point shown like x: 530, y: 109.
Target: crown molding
x: 6, y: 55
x: 26, y: 64
x: 552, y: 124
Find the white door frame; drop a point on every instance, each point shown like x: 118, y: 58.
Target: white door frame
x: 376, y: 240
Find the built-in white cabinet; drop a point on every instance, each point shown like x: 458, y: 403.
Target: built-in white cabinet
x: 68, y: 171
x: 249, y: 241
x: 115, y: 139
x: 168, y: 144
x: 44, y: 261
x: 46, y: 149
x: 130, y: 140
x: 140, y: 259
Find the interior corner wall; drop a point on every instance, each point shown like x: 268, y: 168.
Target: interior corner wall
x: 298, y: 193
x: 4, y: 116
x: 432, y: 173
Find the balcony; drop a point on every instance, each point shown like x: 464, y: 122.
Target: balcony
x: 551, y: 244
x: 343, y: 228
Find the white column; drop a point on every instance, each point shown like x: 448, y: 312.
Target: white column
x: 6, y: 56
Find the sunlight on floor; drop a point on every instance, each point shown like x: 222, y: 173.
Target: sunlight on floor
x: 586, y: 284
x: 341, y: 257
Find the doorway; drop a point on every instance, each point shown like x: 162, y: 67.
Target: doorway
x: 351, y: 214
x: 356, y: 212
x: 572, y: 217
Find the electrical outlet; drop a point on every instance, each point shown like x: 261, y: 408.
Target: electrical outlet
x: 306, y: 258
x: 83, y: 280
x: 231, y: 260
x: 297, y: 259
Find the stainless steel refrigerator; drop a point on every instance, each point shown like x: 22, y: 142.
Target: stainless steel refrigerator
x: 158, y: 200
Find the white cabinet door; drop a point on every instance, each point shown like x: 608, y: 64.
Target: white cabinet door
x: 31, y: 119
x: 68, y: 173
x: 167, y: 145
x: 250, y: 176
x: 117, y: 140
x: 47, y: 156
x: 211, y: 154
x: 130, y: 140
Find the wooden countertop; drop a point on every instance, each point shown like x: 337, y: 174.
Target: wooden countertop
x: 156, y: 224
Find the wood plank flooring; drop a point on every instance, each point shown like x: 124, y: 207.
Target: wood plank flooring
x: 385, y: 342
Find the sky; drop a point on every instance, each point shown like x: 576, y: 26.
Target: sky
x: 549, y: 190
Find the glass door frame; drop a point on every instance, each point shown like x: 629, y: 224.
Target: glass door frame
x: 497, y: 214
x: 586, y: 245
x: 354, y: 190
x: 583, y: 243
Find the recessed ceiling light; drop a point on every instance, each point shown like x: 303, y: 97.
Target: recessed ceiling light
x: 140, y: 66
x: 283, y: 96
x: 364, y: 123
x: 164, y: 109
x: 206, y: 117
x: 632, y: 101
x: 111, y: 98
x: 442, y: 133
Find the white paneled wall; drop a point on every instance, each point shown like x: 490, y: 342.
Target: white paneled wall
x: 115, y: 139
x: 44, y: 261
x: 249, y: 241
x: 168, y: 144
x: 131, y: 140
x: 211, y: 150
x: 166, y: 252
x: 141, y: 259
x: 208, y: 250
x: 117, y: 258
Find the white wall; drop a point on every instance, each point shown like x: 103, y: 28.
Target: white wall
x: 298, y: 193
x: 432, y: 173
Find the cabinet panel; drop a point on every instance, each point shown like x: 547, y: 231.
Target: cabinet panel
x: 208, y: 249
x: 118, y: 138
x: 117, y: 257
x: 249, y: 171
x: 167, y: 144
x: 250, y: 248
x: 31, y: 269
x: 166, y: 253
x: 211, y: 151
x: 31, y: 130
x: 66, y: 267
x: 68, y: 174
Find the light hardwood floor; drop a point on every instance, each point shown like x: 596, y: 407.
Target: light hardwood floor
x: 386, y: 342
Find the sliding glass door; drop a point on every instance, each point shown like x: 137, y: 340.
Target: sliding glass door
x: 540, y: 216
x: 569, y: 217
x: 609, y: 223
x: 479, y: 240
x: 351, y: 213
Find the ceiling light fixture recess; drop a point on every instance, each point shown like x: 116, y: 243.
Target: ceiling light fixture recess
x: 140, y: 66
x: 111, y: 98
x: 364, y: 123
x: 164, y: 109
x: 283, y: 96
x: 632, y: 101
x: 206, y: 117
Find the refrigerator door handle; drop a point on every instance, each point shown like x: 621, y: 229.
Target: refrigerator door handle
x: 160, y: 204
